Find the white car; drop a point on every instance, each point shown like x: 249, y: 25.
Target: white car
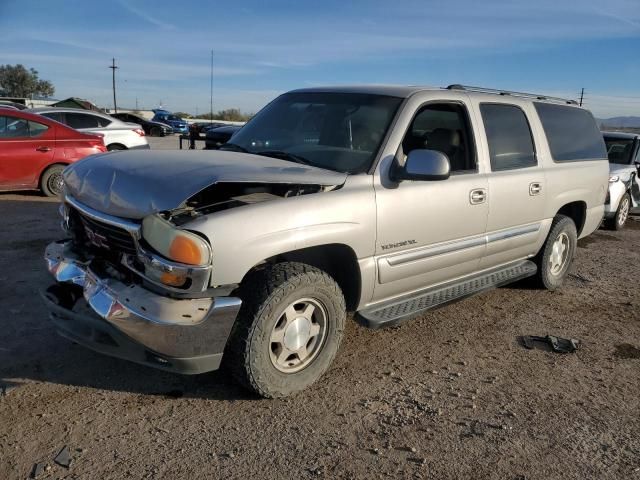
x: 118, y: 135
x: 624, y: 186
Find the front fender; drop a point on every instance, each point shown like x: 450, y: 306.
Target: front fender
x: 243, y: 237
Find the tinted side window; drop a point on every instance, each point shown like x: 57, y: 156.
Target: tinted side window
x: 81, y: 120
x: 57, y: 116
x: 509, y: 137
x: 443, y: 127
x: 13, y: 127
x: 572, y: 133
x: 103, y: 122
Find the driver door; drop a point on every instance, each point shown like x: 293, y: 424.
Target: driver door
x: 429, y: 232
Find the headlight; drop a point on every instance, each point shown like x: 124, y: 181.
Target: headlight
x: 614, y: 178
x: 175, y: 244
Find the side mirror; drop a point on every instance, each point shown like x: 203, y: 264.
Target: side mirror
x: 424, y: 165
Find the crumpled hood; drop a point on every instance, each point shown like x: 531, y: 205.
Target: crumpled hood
x: 134, y: 184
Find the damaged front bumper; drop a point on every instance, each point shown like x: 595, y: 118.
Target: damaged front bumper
x: 130, y: 322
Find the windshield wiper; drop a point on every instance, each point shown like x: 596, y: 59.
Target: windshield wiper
x: 233, y: 147
x: 284, y: 156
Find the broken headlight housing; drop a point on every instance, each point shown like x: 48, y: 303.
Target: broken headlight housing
x: 174, y: 243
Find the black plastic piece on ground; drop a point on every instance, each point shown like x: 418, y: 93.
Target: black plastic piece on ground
x: 557, y: 344
x: 63, y: 458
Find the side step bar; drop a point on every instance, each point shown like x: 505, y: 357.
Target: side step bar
x: 402, y: 309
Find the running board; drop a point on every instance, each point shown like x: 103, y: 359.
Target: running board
x: 402, y: 309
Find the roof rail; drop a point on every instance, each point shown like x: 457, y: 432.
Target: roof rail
x: 468, y: 88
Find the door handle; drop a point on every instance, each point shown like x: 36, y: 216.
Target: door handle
x: 477, y: 196
x: 535, y: 188
x: 43, y: 149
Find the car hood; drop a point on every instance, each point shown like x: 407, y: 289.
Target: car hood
x: 134, y: 184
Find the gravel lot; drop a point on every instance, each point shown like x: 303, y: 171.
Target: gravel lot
x: 449, y: 395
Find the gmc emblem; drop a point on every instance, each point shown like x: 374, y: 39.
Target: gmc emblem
x: 96, y: 239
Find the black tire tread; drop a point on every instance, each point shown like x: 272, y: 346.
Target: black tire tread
x: 543, y: 278
x: 261, y: 292
x: 44, y: 179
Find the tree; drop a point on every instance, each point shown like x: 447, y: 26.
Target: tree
x: 228, y: 115
x: 17, y: 81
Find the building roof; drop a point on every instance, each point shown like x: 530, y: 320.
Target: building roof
x: 74, y: 102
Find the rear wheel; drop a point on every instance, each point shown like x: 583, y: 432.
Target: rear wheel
x: 622, y: 214
x: 115, y: 146
x: 556, y: 255
x: 288, y: 330
x: 51, y: 181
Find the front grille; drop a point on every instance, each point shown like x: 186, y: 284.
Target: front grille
x: 107, y: 237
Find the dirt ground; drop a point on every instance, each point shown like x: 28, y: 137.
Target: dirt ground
x: 450, y: 395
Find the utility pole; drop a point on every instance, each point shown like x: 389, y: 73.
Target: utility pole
x: 581, y: 96
x: 113, y: 71
x: 136, y: 104
x: 211, y: 97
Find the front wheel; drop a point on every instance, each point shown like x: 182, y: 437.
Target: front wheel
x: 622, y: 213
x: 556, y: 255
x: 288, y: 330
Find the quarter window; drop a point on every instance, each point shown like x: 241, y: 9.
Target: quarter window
x: 36, y: 129
x: 509, y: 137
x: 572, y: 133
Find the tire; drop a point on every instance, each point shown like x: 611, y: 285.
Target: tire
x: 551, y: 273
x: 258, y: 353
x: 116, y: 146
x: 156, y: 132
x: 622, y: 214
x: 51, y: 181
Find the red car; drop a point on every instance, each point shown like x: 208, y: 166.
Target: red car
x: 34, y: 150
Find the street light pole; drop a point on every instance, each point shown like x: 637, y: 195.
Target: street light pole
x: 113, y: 71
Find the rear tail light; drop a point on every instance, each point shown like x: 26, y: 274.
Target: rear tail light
x: 139, y: 131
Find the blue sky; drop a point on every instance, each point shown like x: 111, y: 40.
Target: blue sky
x: 262, y: 48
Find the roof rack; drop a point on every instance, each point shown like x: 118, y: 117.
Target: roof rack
x: 468, y: 88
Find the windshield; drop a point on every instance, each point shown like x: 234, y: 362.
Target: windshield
x: 174, y: 118
x: 619, y: 150
x: 336, y: 131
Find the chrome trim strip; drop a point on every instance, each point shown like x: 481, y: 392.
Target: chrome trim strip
x: 437, y: 250
x: 512, y: 232
x: 132, y: 227
x: 458, y: 245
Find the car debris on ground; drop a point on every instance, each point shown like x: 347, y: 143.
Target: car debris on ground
x: 557, y: 344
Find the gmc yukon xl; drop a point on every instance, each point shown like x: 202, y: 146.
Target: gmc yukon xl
x: 380, y: 200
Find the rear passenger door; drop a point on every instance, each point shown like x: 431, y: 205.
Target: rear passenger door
x: 516, y: 183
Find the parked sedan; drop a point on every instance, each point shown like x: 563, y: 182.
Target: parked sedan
x: 216, y: 137
x: 34, y: 150
x: 168, y: 118
x: 624, y: 185
x: 118, y: 135
x: 151, y: 128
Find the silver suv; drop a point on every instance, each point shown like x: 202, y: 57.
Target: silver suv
x: 624, y: 185
x: 383, y: 201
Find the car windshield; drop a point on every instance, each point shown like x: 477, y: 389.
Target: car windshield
x: 619, y: 150
x: 174, y: 118
x: 336, y: 131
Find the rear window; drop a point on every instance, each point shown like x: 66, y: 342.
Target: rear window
x: 572, y: 133
x: 619, y: 150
